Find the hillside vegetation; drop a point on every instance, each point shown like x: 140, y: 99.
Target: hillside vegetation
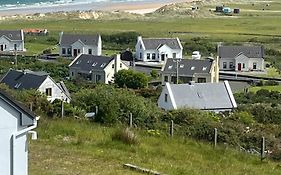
x: 74, y: 147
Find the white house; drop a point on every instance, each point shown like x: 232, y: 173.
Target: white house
x: 16, y: 122
x: 72, y: 45
x: 205, y: 96
x: 158, y: 49
x: 96, y: 68
x: 12, y: 40
x: 41, y: 81
x: 241, y: 58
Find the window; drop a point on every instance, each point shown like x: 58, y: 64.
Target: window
x: 78, y: 51
x: 153, y: 56
x: 166, y: 97
x: 72, y: 73
x: 166, y: 78
x: 69, y: 51
x: 63, y: 51
x: 140, y: 56
x: 121, y: 65
x: 224, y: 65
x: 201, y: 80
x: 112, y: 66
x: 254, y: 65
x: 140, y: 46
x: 204, y: 68
x: 192, y: 68
x: 15, y: 46
x: 182, y: 66
x: 174, y: 55
x: 98, y: 78
x: 90, y: 51
x: 148, y: 56
x: 231, y: 65
x: 243, y: 65
x: 49, y: 92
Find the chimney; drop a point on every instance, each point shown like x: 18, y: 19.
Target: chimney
x: 117, y: 62
x: 139, y: 38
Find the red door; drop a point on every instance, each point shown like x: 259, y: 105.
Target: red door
x: 239, y: 66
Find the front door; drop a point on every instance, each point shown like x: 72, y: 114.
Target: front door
x: 162, y: 57
x: 75, y: 52
x: 239, y: 66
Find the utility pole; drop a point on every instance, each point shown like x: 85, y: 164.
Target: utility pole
x: 16, y: 60
x: 177, y: 60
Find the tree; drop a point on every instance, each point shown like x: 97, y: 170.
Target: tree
x: 131, y: 79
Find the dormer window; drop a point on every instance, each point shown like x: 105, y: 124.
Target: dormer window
x: 112, y: 66
x: 192, y: 68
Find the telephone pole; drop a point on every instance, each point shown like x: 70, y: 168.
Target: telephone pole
x: 177, y: 60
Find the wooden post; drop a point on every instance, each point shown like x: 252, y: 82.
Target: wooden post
x: 31, y: 107
x: 172, y: 128
x: 97, y: 110
x: 216, y: 137
x: 131, y: 120
x: 262, y: 148
x: 62, y: 109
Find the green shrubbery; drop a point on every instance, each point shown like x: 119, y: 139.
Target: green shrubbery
x: 131, y: 79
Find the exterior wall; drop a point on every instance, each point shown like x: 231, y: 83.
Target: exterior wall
x: 139, y: 49
x: 227, y: 61
x: 161, y: 100
x: 110, y: 71
x: 57, y: 93
x: 66, y: 51
x: 259, y: 62
x: 10, y: 124
x: 10, y: 45
x: 207, y: 76
x: 79, y: 46
x: 94, y: 76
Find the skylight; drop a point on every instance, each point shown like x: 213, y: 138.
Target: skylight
x: 103, y: 64
x: 204, y: 68
x: 192, y: 68
x: 88, y: 61
x: 94, y: 64
x: 17, y: 85
x: 182, y: 65
x: 78, y: 62
x: 170, y: 67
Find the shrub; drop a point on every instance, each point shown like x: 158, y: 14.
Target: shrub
x: 131, y: 79
x: 126, y: 136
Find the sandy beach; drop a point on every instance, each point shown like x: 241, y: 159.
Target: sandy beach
x: 131, y: 7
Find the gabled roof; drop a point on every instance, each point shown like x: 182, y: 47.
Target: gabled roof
x: 27, y: 116
x: 87, y: 62
x: 188, y: 66
x: 233, y: 51
x: 207, y: 96
x: 64, y: 89
x: 68, y: 39
x: 12, y: 34
x: 154, y: 43
x: 18, y: 79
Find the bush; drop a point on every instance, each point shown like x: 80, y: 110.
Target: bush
x: 126, y: 136
x: 131, y: 79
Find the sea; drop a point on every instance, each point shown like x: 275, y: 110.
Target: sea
x: 18, y: 4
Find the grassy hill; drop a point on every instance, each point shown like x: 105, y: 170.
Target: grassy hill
x: 74, y: 147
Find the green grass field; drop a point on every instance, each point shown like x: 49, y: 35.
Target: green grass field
x: 74, y: 147
x: 270, y: 88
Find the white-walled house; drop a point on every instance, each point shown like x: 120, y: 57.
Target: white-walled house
x: 96, y: 68
x: 16, y: 122
x: 158, y: 49
x: 205, y: 96
x: 41, y: 81
x: 72, y: 45
x: 241, y: 58
x: 12, y: 40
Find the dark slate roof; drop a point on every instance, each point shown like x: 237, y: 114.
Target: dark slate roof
x: 87, y: 62
x: 233, y: 51
x: 68, y: 39
x: 27, y: 117
x: 212, y: 96
x: 17, y: 79
x: 11, y: 34
x: 63, y: 88
x: 188, y: 66
x: 154, y: 43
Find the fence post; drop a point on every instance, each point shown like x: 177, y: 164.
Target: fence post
x: 216, y: 137
x: 131, y: 120
x: 97, y: 110
x: 31, y: 107
x: 262, y: 148
x: 62, y: 109
x: 172, y: 128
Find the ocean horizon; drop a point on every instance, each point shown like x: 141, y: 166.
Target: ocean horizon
x: 18, y: 4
